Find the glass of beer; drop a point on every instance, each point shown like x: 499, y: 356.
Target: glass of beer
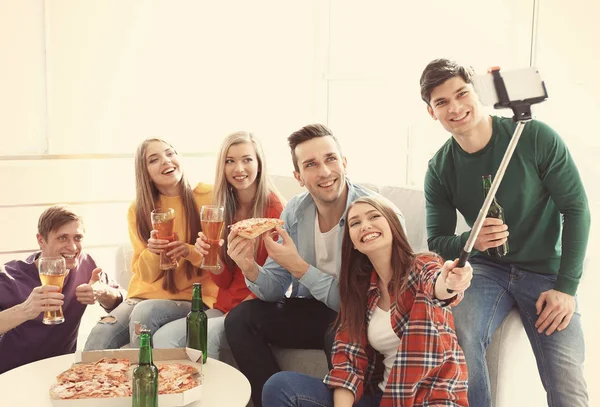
x: 163, y: 221
x: 53, y: 271
x: 212, y: 221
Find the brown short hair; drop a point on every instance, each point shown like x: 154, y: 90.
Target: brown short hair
x: 55, y: 217
x: 308, y: 133
x: 439, y: 71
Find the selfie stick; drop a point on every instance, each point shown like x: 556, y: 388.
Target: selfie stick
x: 522, y: 114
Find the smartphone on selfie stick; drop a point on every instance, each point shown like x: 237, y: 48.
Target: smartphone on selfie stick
x: 516, y: 90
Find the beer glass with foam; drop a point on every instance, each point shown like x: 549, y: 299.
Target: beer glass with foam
x: 163, y: 221
x: 53, y: 271
x: 212, y: 220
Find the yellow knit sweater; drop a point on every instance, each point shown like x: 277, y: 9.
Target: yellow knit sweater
x: 144, y: 265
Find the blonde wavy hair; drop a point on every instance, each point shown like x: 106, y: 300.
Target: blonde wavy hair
x: 225, y: 195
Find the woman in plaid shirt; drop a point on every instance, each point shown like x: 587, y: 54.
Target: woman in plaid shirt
x: 395, y: 344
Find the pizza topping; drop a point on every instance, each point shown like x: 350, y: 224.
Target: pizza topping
x: 254, y: 227
x: 109, y: 377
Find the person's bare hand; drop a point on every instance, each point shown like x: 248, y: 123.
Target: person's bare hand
x: 156, y: 245
x: 555, y: 310
x: 240, y: 249
x: 177, y: 249
x: 202, y: 246
x: 285, y: 253
x: 43, y: 298
x: 85, y: 293
x: 493, y: 233
x: 457, y: 279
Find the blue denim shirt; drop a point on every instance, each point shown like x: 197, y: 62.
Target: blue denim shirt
x: 299, y: 216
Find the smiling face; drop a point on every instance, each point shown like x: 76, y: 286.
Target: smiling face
x: 162, y: 163
x: 322, y: 169
x: 241, y: 166
x: 65, y: 241
x: 368, y: 229
x: 455, y: 104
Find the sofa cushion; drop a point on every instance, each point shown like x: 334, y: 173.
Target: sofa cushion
x: 411, y: 203
x: 122, y: 272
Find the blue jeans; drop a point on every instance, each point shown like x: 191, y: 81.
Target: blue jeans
x: 497, y: 288
x: 291, y: 389
x: 120, y: 330
x: 173, y: 334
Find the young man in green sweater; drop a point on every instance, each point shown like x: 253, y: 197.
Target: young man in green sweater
x: 547, y: 226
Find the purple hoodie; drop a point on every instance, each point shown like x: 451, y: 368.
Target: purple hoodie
x: 34, y: 340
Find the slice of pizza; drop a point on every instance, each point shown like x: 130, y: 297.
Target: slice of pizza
x: 113, y: 364
x: 177, y: 384
x: 72, y: 375
x: 254, y: 227
x: 62, y: 390
x: 176, y: 377
x: 168, y: 371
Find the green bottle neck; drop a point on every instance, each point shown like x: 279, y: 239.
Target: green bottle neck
x: 145, y: 357
x: 197, y: 299
x: 487, y: 185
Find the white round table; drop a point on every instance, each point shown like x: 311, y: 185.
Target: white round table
x: 28, y: 385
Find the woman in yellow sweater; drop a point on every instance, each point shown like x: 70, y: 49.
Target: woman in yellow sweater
x: 156, y: 297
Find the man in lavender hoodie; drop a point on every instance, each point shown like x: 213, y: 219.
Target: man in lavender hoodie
x: 23, y: 336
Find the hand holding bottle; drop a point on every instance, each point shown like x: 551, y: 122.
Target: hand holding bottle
x: 494, y: 233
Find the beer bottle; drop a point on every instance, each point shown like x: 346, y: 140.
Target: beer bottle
x: 497, y: 212
x: 145, y: 375
x: 197, y: 323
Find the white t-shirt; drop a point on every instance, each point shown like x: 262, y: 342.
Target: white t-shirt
x: 384, y: 340
x: 326, y: 248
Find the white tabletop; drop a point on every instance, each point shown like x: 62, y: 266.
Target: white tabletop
x: 28, y: 385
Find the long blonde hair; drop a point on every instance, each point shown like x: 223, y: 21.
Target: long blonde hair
x: 146, y: 198
x: 225, y: 195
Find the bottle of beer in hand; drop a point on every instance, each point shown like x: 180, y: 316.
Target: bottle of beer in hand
x: 197, y: 323
x: 145, y: 375
x: 497, y: 212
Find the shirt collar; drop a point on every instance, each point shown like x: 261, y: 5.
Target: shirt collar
x: 308, y: 201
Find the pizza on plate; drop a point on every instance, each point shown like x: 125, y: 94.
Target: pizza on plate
x: 254, y: 227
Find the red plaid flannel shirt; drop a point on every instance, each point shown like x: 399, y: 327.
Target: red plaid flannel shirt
x: 429, y: 369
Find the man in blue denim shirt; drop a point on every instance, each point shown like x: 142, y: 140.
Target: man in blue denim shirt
x: 307, y: 256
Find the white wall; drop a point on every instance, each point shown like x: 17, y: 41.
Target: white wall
x: 377, y: 53
x: 567, y: 55
x: 88, y: 77
x: 22, y: 77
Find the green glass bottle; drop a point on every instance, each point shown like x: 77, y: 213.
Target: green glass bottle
x: 145, y: 375
x: 497, y: 212
x: 197, y: 323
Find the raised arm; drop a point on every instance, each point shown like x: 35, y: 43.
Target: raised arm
x: 271, y: 281
x: 108, y: 293
x: 143, y: 263
x: 44, y: 298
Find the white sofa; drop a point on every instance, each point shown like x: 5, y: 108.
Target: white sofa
x: 513, y: 373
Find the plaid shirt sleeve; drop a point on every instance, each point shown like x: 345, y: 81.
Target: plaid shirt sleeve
x: 350, y: 362
x: 428, y: 268
x: 429, y: 366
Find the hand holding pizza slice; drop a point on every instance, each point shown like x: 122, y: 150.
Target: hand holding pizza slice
x: 254, y: 227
